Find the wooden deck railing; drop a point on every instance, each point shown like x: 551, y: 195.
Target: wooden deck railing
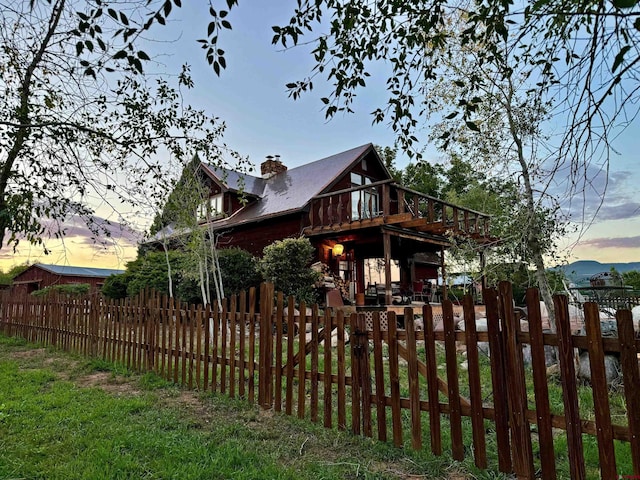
x: 388, y: 203
x: 376, y: 379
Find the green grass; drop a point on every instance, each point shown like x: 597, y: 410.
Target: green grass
x: 62, y: 416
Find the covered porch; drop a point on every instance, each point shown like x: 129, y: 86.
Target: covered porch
x: 386, y: 221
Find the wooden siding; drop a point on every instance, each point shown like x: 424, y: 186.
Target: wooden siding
x: 255, y: 236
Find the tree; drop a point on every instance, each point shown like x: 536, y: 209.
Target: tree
x: 473, y: 67
x: 632, y: 278
x: 583, y: 52
x: 82, y: 121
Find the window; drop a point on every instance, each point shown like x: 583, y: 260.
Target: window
x: 211, y: 208
x: 364, y: 202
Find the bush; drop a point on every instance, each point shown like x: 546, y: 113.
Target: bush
x: 239, y: 270
x: 115, y: 286
x: 150, y: 271
x: 65, y: 289
x: 286, y: 263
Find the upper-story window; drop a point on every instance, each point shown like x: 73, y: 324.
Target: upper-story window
x: 364, y: 202
x: 211, y: 208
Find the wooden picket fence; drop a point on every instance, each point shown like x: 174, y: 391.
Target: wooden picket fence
x: 360, y: 372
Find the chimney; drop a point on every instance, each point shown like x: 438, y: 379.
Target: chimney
x: 272, y: 166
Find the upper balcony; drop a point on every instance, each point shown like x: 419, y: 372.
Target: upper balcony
x: 387, y: 203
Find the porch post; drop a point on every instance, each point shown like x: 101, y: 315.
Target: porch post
x: 445, y: 294
x: 360, y: 283
x: 387, y: 268
x: 483, y: 277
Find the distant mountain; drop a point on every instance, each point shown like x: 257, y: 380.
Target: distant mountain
x: 579, y: 272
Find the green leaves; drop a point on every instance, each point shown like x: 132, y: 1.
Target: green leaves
x: 624, y: 3
x: 620, y: 57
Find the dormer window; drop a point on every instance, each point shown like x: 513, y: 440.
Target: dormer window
x: 211, y: 208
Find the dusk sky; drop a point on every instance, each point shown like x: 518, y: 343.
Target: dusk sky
x: 251, y: 98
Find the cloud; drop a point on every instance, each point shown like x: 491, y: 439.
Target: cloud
x: 598, y: 194
x: 86, y: 240
x: 609, y: 242
x: 93, y: 230
x: 619, y: 212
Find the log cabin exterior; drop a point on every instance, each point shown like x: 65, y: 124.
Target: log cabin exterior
x: 348, y: 199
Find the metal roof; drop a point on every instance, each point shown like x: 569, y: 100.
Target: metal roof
x: 79, y: 271
x: 290, y: 190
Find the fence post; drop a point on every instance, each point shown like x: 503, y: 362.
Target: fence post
x: 569, y: 387
x: 516, y: 388
x: 265, y: 356
x: 94, y: 321
x: 361, y: 381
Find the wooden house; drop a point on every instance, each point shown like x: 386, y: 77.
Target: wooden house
x: 39, y: 276
x: 350, y: 208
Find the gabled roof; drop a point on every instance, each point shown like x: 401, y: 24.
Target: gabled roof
x: 78, y: 271
x: 290, y: 190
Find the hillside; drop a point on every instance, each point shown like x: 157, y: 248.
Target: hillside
x: 582, y: 270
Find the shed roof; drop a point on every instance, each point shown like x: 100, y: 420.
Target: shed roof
x: 78, y: 271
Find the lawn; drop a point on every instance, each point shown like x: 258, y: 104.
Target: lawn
x: 63, y: 416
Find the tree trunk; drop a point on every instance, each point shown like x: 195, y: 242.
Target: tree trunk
x: 23, y: 119
x: 533, y: 238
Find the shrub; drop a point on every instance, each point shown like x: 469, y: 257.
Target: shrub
x: 239, y: 270
x: 150, y: 271
x: 65, y: 289
x: 115, y: 286
x: 286, y: 263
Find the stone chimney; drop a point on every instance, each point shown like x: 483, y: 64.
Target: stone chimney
x: 272, y: 166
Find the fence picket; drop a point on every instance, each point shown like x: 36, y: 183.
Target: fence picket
x: 313, y: 407
x: 455, y: 415
x: 242, y: 325
x: 541, y: 388
x: 569, y: 388
x: 414, y: 385
x: 381, y: 415
x: 600, y: 391
x: 356, y: 345
x: 327, y: 396
x: 199, y: 359
x: 631, y: 375
x: 290, y: 345
x: 516, y: 388
x: 342, y: 390
x: 252, y: 343
x: 475, y: 390
x: 432, y: 380
x: 233, y: 321
x: 498, y: 381
x: 207, y: 323
x: 224, y: 319
x: 278, y: 369
x: 302, y: 359
x: 394, y: 379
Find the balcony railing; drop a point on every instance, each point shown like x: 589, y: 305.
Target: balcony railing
x: 386, y: 202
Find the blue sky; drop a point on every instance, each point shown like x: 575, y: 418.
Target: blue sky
x: 251, y: 98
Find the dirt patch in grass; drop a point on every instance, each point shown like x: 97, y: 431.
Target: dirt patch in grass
x: 28, y: 354
x: 110, y: 383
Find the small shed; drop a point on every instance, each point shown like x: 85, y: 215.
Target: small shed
x: 40, y: 275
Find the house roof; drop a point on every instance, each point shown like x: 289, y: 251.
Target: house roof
x: 71, y: 271
x: 288, y: 191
